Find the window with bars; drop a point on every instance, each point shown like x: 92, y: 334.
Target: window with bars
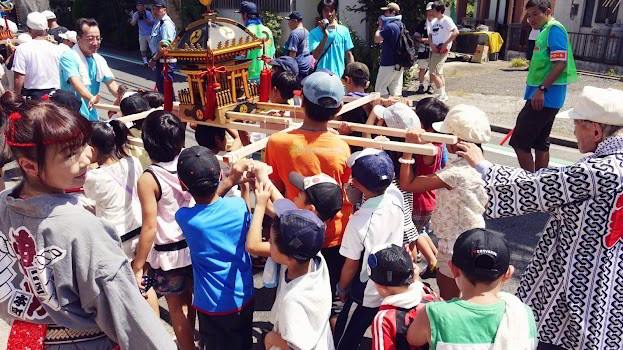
x: 262, y: 5
x: 607, y: 11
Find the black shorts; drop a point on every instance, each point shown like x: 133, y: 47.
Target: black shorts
x: 532, y: 128
x: 423, y: 55
x: 231, y: 332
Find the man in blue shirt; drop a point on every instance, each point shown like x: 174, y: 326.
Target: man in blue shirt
x: 389, y: 78
x: 82, y: 69
x: 330, y: 42
x: 216, y: 232
x: 145, y: 20
x: 162, y: 35
x: 297, y: 44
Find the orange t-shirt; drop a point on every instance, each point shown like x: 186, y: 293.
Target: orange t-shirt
x: 311, y: 153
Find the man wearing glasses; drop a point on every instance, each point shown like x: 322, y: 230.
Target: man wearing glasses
x: 82, y: 69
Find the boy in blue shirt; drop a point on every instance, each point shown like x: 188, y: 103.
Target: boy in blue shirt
x: 330, y: 42
x: 551, y: 69
x: 216, y: 230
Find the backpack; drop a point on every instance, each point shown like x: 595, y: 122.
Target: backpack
x: 404, y: 317
x: 406, y: 50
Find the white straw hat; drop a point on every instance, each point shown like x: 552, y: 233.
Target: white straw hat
x: 468, y: 123
x: 604, y: 106
x: 398, y: 115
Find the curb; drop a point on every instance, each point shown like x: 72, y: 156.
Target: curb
x: 560, y: 141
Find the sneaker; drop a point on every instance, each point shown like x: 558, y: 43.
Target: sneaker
x: 145, y: 62
x: 430, y: 272
x: 420, y: 90
x: 430, y: 90
x: 443, y: 98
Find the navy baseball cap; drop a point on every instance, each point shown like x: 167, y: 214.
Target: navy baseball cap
x: 294, y: 15
x: 198, y: 168
x: 248, y: 7
x: 301, y: 232
x: 160, y: 3
x: 372, y: 168
x: 287, y: 63
x: 323, y: 84
x: 481, y: 254
x: 322, y: 191
x: 390, y: 265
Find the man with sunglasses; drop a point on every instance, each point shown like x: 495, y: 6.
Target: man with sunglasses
x: 82, y: 69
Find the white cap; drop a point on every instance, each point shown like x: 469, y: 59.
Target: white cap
x: 36, y: 21
x: 48, y: 14
x: 70, y: 35
x: 398, y: 115
x: 23, y: 38
x: 466, y: 122
x: 429, y: 6
x: 604, y: 106
x: 12, y: 26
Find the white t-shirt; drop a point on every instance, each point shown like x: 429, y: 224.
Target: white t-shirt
x: 378, y: 222
x: 441, y: 30
x: 113, y: 188
x: 38, y: 61
x: 303, y: 306
x: 461, y: 208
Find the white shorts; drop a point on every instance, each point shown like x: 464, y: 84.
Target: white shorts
x: 389, y: 81
x: 143, y: 43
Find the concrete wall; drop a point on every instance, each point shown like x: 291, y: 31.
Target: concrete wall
x: 562, y: 12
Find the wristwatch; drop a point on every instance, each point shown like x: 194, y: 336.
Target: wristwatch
x: 543, y: 88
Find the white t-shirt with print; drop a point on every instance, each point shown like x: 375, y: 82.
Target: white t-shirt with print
x: 38, y: 61
x: 378, y: 222
x: 460, y: 208
x: 113, y: 188
x: 441, y: 30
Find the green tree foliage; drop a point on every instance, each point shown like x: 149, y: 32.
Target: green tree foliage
x: 113, y: 17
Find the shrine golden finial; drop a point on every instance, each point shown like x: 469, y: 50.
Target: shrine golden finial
x: 206, y: 3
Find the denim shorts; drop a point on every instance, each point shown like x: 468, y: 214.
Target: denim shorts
x: 174, y: 281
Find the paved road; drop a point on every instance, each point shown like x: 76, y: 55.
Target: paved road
x: 522, y: 232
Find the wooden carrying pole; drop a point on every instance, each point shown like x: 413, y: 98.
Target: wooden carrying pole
x: 115, y: 108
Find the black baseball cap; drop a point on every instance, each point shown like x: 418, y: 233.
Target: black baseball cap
x: 357, y: 70
x: 160, y: 3
x: 248, y: 7
x: 287, y: 63
x: 322, y: 191
x: 481, y: 254
x: 198, y: 168
x: 301, y: 232
x: 294, y: 15
x: 390, y: 266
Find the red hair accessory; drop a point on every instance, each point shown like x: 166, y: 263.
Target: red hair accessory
x: 10, y: 132
x: 45, y: 97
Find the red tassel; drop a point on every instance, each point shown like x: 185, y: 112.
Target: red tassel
x: 168, y: 89
x: 266, y: 82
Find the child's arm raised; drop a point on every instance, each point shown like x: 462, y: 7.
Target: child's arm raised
x: 408, y: 181
x: 419, y: 332
x: 255, y: 245
x: 235, y: 176
x: 147, y: 193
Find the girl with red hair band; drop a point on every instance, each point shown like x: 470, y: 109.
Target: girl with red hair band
x: 65, y: 281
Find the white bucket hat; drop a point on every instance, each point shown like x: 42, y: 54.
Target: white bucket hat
x: 604, y: 106
x: 36, y: 21
x: 48, y: 14
x: 398, y: 115
x: 466, y: 122
x: 70, y: 35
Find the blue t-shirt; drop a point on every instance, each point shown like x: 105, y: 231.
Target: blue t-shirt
x: 162, y: 30
x: 69, y: 68
x: 297, y: 41
x: 144, y: 26
x: 216, y: 235
x: 555, y: 94
x: 335, y: 57
x: 390, y: 34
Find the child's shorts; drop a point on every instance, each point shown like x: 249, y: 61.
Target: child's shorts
x: 422, y: 223
x: 444, y: 256
x: 174, y: 281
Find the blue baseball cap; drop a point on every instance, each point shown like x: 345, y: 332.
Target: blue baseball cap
x: 301, y: 232
x: 287, y: 63
x: 323, y: 84
x: 248, y: 7
x: 160, y: 3
x: 372, y: 168
x: 294, y: 15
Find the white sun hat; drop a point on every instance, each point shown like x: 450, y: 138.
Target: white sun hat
x: 70, y: 35
x: 398, y: 115
x: 468, y: 123
x: 604, y: 106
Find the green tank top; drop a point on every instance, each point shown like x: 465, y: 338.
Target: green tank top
x: 541, y: 66
x: 461, y: 322
x: 256, y: 66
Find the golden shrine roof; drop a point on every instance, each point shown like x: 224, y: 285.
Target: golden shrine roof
x: 216, y: 35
